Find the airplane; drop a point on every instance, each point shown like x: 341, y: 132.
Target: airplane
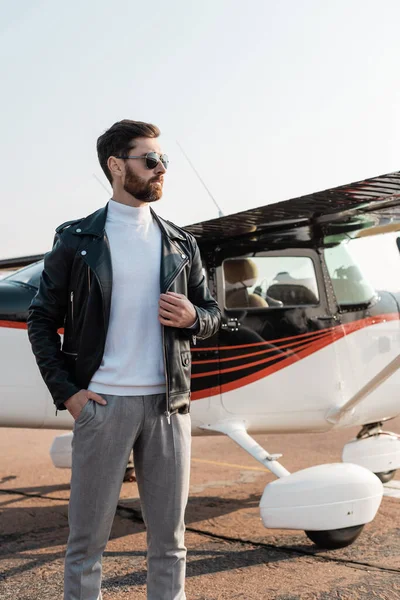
x: 309, y: 290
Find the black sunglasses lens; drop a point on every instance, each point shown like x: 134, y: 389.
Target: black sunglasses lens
x: 151, y: 160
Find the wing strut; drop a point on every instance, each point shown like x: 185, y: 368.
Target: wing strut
x: 335, y: 414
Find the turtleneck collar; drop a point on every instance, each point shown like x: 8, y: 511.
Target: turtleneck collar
x: 131, y: 215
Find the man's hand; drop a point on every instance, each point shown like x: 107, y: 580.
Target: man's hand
x: 76, y: 402
x: 175, y: 310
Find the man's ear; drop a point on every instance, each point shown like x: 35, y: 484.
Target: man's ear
x: 115, y: 166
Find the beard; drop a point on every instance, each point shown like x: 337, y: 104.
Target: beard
x: 139, y: 188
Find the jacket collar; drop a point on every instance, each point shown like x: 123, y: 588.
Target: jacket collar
x: 167, y: 228
x: 94, y: 224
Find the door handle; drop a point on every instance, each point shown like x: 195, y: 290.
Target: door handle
x: 327, y: 318
x: 232, y: 324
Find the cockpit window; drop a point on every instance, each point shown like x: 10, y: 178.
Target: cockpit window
x: 350, y: 284
x: 362, y: 266
x: 270, y: 281
x: 30, y: 274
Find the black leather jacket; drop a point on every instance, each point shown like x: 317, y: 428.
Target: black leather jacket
x: 75, y: 294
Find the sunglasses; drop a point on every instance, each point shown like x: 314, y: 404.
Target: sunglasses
x: 152, y: 159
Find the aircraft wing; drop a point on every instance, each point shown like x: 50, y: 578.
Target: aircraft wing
x: 376, y: 199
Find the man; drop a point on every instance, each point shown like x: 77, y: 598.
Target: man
x: 129, y: 290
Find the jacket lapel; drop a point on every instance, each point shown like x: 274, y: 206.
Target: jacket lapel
x: 98, y: 258
x: 96, y: 254
x: 173, y: 257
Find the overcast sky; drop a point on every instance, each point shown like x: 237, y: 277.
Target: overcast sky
x: 270, y: 99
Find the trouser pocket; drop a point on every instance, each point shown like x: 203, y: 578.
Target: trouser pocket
x: 86, y: 413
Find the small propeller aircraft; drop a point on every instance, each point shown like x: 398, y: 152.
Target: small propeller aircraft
x: 310, y: 342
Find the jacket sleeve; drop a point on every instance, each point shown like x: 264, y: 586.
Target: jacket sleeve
x: 45, y: 316
x: 207, y: 309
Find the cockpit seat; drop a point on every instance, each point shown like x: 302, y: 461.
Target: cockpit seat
x: 239, y: 275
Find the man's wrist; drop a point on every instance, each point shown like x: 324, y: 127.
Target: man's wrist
x: 194, y: 324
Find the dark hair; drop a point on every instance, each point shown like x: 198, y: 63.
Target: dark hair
x: 118, y: 140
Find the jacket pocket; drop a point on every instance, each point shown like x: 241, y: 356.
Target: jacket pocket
x: 70, y: 360
x: 186, y: 369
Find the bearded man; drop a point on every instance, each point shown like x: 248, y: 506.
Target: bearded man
x: 129, y: 290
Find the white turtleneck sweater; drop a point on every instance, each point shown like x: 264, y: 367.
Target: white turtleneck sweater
x: 132, y: 363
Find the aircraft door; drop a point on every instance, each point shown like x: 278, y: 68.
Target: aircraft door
x: 275, y: 314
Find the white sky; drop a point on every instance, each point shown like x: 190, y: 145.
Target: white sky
x: 270, y: 99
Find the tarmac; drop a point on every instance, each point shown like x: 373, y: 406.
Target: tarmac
x: 230, y: 553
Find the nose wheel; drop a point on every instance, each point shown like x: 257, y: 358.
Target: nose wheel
x: 386, y: 476
x: 129, y: 474
x: 130, y: 469
x: 335, y: 538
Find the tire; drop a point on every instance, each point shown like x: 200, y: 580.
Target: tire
x: 129, y: 474
x: 386, y: 476
x: 335, y: 538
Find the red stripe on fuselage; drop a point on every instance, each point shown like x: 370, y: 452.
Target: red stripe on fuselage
x: 280, y: 349
x: 13, y: 325
x: 21, y: 325
x: 335, y: 333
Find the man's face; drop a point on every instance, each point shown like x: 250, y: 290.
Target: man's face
x: 142, y: 183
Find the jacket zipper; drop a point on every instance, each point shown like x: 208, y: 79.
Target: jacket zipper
x: 72, y: 311
x: 167, y: 412
x: 72, y: 315
x: 72, y: 321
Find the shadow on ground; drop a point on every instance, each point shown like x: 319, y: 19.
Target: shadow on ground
x: 30, y: 532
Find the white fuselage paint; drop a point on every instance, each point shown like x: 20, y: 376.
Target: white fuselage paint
x: 296, y: 398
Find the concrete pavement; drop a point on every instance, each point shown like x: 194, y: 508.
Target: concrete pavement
x: 231, y: 555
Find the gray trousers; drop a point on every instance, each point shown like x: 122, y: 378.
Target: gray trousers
x: 104, y: 436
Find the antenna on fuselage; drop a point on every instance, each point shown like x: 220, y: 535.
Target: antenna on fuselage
x: 220, y: 213
x: 102, y: 184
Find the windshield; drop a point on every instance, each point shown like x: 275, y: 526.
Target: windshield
x: 30, y: 274
x: 361, y: 266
